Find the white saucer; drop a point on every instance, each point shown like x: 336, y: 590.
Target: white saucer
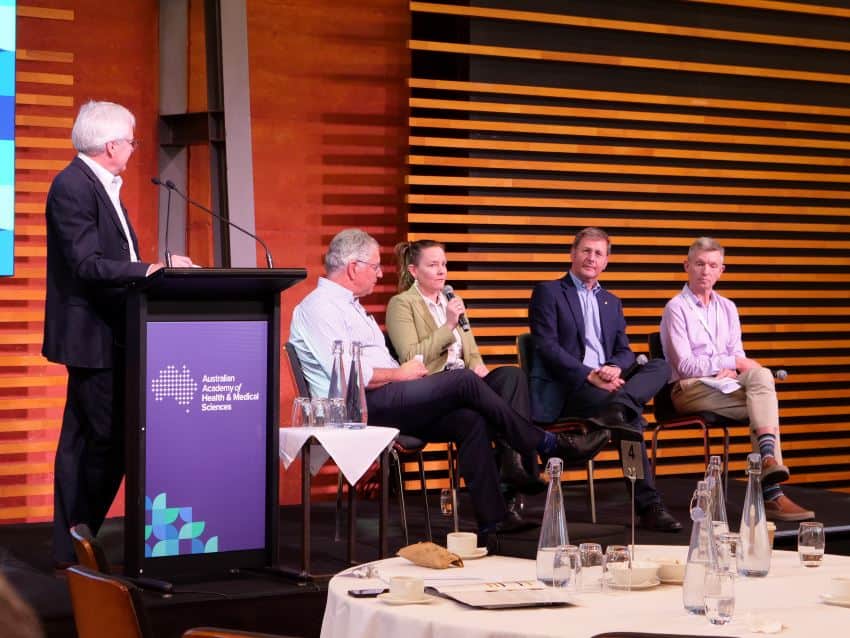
x: 829, y: 599
x: 392, y: 600
x: 480, y: 552
x: 672, y: 581
x: 647, y: 585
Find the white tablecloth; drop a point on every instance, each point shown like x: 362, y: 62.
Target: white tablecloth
x: 789, y: 594
x: 352, y: 450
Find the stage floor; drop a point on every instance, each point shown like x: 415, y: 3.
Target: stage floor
x: 263, y: 602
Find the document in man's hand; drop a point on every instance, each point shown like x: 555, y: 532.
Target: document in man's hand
x: 726, y: 385
x: 504, y: 594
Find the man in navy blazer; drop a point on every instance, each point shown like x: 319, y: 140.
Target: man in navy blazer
x: 92, y: 255
x: 584, y: 366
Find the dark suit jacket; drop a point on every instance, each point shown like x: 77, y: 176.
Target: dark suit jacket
x: 557, y: 325
x: 88, y: 269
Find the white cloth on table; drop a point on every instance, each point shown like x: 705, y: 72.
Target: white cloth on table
x: 352, y: 450
x: 790, y: 594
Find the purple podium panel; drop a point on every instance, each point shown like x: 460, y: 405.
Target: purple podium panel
x: 205, y: 437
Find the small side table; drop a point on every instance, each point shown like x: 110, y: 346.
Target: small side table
x: 353, y: 451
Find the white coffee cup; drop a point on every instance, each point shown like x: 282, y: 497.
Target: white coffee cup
x: 839, y: 587
x: 407, y: 587
x: 462, y: 543
x: 641, y: 573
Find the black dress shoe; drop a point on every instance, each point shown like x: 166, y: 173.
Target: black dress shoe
x: 578, y: 448
x: 657, y: 518
x: 513, y: 473
x: 613, y: 417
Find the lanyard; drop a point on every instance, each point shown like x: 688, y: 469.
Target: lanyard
x: 702, y: 318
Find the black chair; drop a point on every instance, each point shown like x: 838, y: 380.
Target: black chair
x: 404, y: 446
x: 667, y: 418
x: 525, y: 353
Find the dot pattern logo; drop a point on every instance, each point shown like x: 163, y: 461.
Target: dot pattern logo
x: 174, y: 383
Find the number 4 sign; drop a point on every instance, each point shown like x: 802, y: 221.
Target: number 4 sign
x: 631, y: 455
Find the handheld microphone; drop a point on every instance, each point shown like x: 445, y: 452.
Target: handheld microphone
x: 171, y: 186
x: 462, y: 321
x: 640, y: 360
x: 780, y: 375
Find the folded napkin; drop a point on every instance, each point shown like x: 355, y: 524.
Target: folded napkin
x: 427, y: 554
x: 760, y: 623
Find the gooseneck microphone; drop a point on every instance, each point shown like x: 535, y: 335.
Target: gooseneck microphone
x: 462, y: 321
x: 171, y: 186
x: 167, y: 226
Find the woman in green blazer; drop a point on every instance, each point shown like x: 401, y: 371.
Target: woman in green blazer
x: 421, y: 321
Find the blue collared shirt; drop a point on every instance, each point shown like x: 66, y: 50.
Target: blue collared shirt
x: 594, y: 352
x: 332, y: 312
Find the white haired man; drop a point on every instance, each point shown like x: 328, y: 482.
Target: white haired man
x: 92, y: 255
x: 453, y: 405
x: 701, y: 336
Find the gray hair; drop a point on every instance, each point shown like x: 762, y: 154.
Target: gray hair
x: 592, y: 233
x: 98, y: 123
x: 705, y: 245
x: 348, y: 245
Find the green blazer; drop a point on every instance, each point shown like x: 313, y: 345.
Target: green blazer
x: 413, y: 331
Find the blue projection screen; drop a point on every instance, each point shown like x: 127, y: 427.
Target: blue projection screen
x: 7, y: 137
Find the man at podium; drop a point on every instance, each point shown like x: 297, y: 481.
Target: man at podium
x: 454, y: 405
x: 92, y: 255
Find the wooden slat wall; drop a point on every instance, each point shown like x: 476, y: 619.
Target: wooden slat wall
x: 660, y: 122
x: 31, y: 389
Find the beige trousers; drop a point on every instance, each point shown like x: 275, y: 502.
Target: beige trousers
x: 754, y: 400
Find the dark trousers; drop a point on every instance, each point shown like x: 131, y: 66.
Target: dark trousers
x: 510, y: 383
x: 89, y: 462
x: 638, y: 389
x: 459, y: 406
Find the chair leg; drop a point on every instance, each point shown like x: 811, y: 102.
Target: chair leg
x: 453, y: 485
x: 421, y: 460
x: 706, y: 445
x: 401, y: 507
x: 726, y: 462
x: 591, y: 491
x: 653, y: 461
x: 338, y: 522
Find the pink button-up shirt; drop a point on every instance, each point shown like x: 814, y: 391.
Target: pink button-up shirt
x: 699, y: 340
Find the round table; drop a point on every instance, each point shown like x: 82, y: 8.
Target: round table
x: 790, y: 594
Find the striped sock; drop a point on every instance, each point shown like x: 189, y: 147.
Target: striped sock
x: 767, y: 444
x: 771, y: 493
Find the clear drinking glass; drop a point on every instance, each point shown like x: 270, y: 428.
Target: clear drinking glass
x: 320, y: 412
x: 446, y: 504
x: 566, y: 568
x: 719, y: 596
x: 727, y: 547
x: 592, y: 561
x: 811, y: 543
x: 335, y: 417
x: 302, y: 412
x: 615, y: 555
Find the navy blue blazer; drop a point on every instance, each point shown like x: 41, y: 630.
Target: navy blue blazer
x: 557, y: 325
x: 88, y: 269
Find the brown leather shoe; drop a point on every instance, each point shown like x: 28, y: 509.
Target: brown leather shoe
x: 773, y: 472
x: 783, y: 508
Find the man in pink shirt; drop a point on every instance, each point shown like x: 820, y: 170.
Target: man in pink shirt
x: 701, y: 335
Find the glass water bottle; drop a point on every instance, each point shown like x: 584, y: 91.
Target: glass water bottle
x: 355, y: 399
x: 754, y: 546
x: 702, y: 553
x: 553, y: 532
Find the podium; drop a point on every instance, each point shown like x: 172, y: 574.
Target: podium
x: 202, y: 391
